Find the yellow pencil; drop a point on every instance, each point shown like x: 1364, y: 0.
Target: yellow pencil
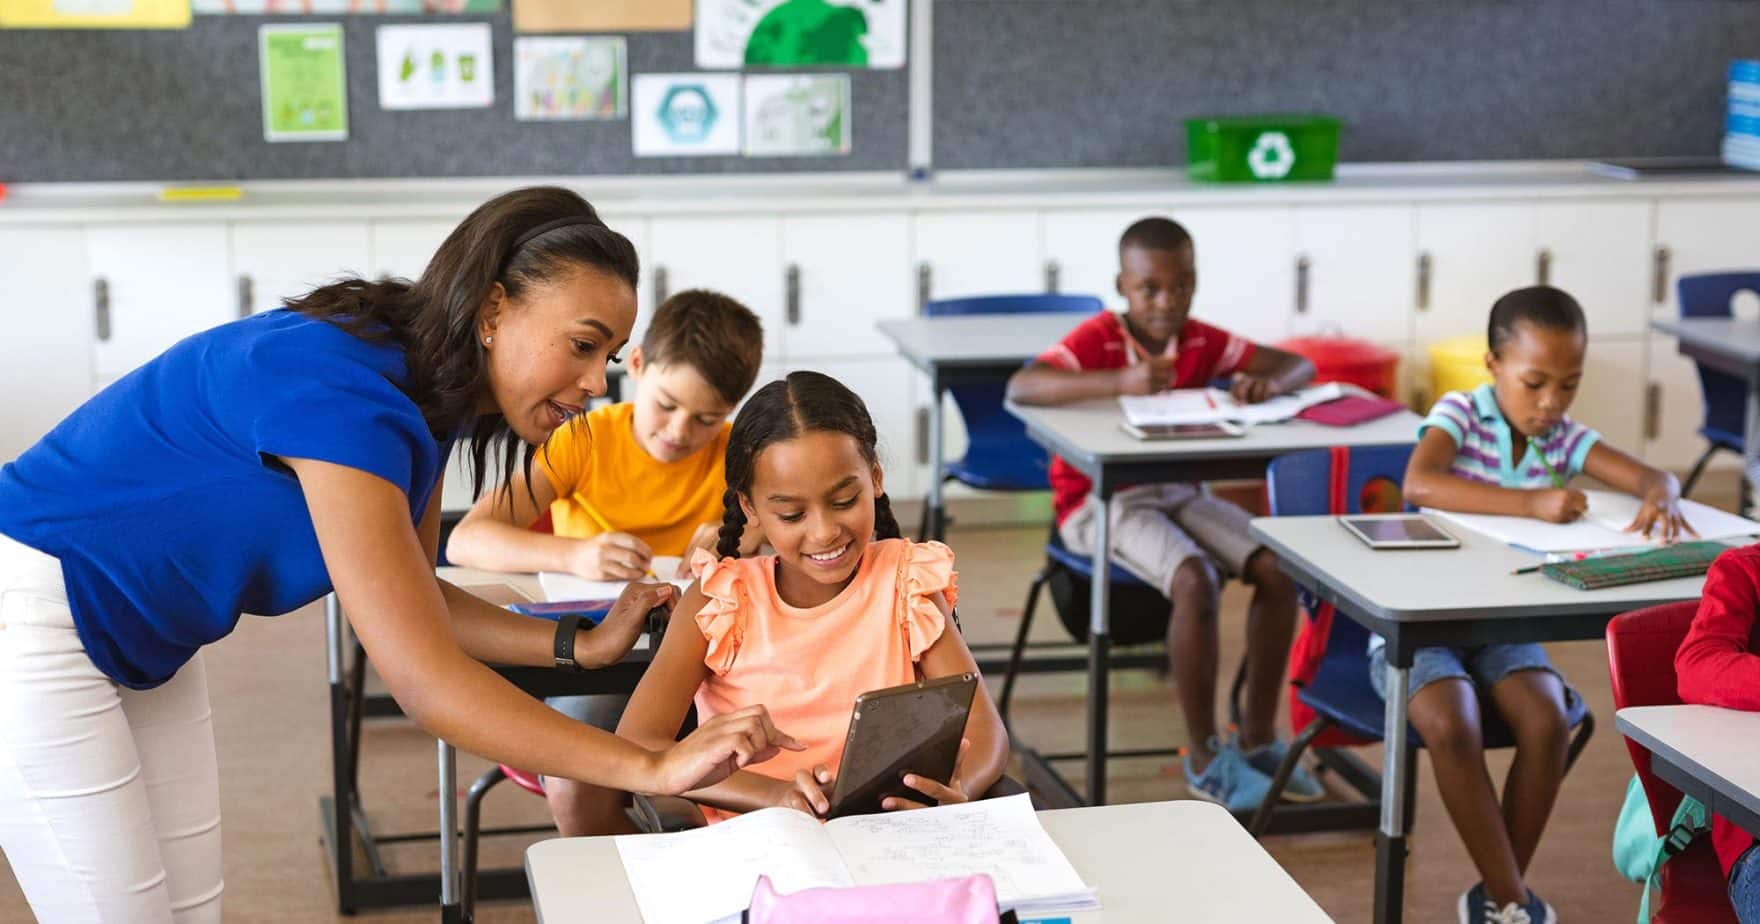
x: 597, y: 518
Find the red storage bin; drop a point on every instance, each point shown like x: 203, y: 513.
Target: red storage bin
x: 1354, y: 362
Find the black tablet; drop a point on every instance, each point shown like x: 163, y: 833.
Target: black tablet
x: 914, y: 728
x: 1220, y: 429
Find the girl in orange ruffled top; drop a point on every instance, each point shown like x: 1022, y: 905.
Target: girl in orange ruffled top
x: 844, y: 606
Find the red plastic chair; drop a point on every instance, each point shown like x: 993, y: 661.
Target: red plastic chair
x: 1640, y: 658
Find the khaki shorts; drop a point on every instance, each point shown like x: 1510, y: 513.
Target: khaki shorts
x: 1155, y: 528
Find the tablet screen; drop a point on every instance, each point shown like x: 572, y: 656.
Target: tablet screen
x: 1398, y: 530
x: 916, y: 728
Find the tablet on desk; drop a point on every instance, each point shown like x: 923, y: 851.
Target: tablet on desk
x: 1399, y: 531
x: 913, y: 728
x: 1182, y: 431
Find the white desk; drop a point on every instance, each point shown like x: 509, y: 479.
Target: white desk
x: 1463, y: 596
x: 963, y: 349
x: 1708, y: 753
x: 1157, y: 861
x: 1086, y: 434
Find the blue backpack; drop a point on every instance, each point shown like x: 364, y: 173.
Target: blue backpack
x: 1638, y: 853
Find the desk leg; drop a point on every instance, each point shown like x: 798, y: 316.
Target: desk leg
x: 1751, y: 446
x: 450, y: 912
x: 1390, y: 842
x: 1099, y: 632
x: 936, y: 518
x: 342, y: 778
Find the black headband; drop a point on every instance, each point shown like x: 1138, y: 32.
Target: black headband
x: 549, y: 226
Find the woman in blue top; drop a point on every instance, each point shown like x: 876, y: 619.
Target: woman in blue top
x: 251, y: 469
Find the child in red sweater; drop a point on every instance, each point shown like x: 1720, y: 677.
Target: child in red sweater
x: 1719, y: 665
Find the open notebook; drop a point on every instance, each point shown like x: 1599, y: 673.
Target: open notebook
x: 1603, y: 527
x: 562, y: 586
x: 1209, y: 405
x: 707, y: 874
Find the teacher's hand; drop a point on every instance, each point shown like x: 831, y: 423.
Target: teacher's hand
x: 608, y: 642
x: 717, y: 748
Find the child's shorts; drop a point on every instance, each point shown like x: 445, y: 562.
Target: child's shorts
x: 1156, y: 527
x: 1484, y: 666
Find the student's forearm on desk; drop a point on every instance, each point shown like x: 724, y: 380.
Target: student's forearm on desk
x: 494, y: 545
x: 1045, y: 384
x: 1448, y: 492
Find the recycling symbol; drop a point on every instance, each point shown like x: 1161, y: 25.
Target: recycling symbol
x: 1272, y: 156
x: 687, y: 113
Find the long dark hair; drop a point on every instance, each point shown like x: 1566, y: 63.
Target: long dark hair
x: 434, y: 319
x: 783, y: 410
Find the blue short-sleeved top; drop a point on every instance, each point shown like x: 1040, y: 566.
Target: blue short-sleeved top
x: 160, y: 499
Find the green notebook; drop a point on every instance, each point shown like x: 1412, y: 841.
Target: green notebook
x: 1673, y: 561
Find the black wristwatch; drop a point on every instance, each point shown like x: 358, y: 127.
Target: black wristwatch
x: 566, y: 629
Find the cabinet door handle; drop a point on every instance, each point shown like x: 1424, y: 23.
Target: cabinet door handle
x: 1653, y: 412
x: 1053, y: 274
x: 922, y: 436
x: 1302, y: 266
x: 925, y: 281
x: 1424, y: 263
x: 247, y: 295
x: 791, y: 284
x: 101, y: 308
x: 660, y: 288
x: 1543, y: 267
x: 1659, y: 274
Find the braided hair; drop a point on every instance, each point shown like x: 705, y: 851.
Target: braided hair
x: 783, y: 410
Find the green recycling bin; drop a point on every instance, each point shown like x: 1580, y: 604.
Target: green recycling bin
x: 1261, y: 149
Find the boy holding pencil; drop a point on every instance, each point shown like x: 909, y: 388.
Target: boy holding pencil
x: 624, y: 483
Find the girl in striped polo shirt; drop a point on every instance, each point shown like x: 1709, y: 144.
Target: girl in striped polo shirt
x: 1507, y: 448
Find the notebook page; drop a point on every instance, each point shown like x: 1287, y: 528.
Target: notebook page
x: 1179, y: 406
x: 1615, y: 511
x: 1603, y: 527
x: 1000, y: 837
x: 560, y: 585
x: 691, y: 877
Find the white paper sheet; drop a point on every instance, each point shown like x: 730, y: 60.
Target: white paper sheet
x: 560, y: 586
x: 1603, y: 527
x: 1208, y: 405
x: 708, y: 873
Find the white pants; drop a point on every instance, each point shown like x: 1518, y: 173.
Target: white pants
x: 109, y: 797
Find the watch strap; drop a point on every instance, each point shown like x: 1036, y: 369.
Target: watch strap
x: 567, y: 628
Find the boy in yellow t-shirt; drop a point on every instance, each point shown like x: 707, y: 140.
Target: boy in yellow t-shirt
x: 624, y: 483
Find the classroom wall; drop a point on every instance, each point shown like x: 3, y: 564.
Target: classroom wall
x: 1018, y: 83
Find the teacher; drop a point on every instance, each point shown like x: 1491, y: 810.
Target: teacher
x: 253, y: 468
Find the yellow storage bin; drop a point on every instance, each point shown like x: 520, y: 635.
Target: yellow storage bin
x: 1457, y: 364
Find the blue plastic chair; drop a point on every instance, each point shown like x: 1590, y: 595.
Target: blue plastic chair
x: 999, y: 456
x: 1709, y: 295
x: 1339, y: 692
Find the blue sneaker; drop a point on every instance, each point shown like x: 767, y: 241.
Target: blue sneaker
x: 1476, y: 907
x: 1302, y: 787
x: 1229, y: 781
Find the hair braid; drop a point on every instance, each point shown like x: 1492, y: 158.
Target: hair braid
x: 733, y: 525
x: 885, y: 524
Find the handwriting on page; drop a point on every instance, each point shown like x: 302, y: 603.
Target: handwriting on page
x: 709, y: 873
x: 998, y: 837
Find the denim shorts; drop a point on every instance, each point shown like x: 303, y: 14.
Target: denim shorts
x: 1484, y: 666
x: 1744, y: 886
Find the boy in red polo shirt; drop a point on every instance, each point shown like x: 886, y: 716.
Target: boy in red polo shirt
x: 1175, y: 537
x: 1719, y: 665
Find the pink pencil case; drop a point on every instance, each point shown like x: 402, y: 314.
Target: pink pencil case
x: 1350, y: 410
x: 967, y: 900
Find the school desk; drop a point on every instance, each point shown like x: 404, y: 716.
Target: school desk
x: 1414, y: 598
x: 1149, y: 862
x: 1733, y: 347
x: 966, y: 349
x: 1087, y: 435
x: 1703, y: 751
x: 344, y: 819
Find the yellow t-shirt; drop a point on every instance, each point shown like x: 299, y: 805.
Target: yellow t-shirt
x: 596, y: 461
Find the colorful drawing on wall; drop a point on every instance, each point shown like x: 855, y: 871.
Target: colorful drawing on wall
x: 305, y: 90
x: 801, y: 33
x: 792, y: 115
x: 436, y: 67
x: 601, y: 15
x: 344, y: 7
x: 683, y: 114
x: 569, y: 77
x: 94, y: 14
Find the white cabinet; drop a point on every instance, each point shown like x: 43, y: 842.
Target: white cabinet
x: 46, y: 295
x: 844, y: 275
x: 1674, y: 409
x: 1081, y: 250
x: 401, y: 248
x: 1704, y: 236
x: 1246, y: 274
x: 1611, y: 395
x: 1355, y: 271
x: 1599, y: 252
x: 635, y: 229
x: 1469, y: 256
x: 275, y: 261
x: 740, y: 257
x: 884, y: 385
x: 154, y: 286
x: 961, y: 254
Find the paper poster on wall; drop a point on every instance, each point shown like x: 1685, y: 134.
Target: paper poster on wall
x: 801, y: 33
x: 343, y: 7
x: 305, y: 89
x: 94, y: 14
x: 435, y: 67
x: 569, y: 77
x: 601, y: 15
x: 683, y: 114
x: 793, y: 115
